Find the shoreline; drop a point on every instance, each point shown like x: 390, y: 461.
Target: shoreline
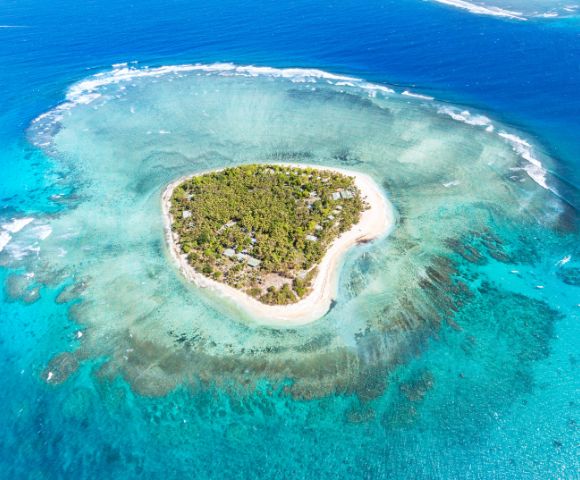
x: 375, y: 222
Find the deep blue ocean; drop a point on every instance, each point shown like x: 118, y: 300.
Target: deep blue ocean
x: 519, y: 421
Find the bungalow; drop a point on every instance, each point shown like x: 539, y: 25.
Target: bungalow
x: 311, y: 238
x: 342, y: 194
x: 229, y: 252
x: 253, y: 262
x: 186, y: 214
x: 346, y: 194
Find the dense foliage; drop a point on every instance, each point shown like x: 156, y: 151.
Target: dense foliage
x: 263, y: 228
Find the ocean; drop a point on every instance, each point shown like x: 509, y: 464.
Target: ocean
x: 452, y: 349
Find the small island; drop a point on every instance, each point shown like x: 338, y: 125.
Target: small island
x: 262, y: 232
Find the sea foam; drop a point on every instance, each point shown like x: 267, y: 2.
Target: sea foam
x: 42, y: 232
x: 17, y: 224
x: 407, y: 93
x: 465, y: 116
x: 530, y: 9
x: 534, y: 169
x: 524, y: 149
x: 482, y: 10
x: 4, y: 240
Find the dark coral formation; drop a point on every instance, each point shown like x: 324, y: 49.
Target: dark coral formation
x: 22, y: 288
x: 570, y: 276
x: 60, y: 368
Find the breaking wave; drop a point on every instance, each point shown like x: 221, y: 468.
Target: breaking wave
x: 526, y: 10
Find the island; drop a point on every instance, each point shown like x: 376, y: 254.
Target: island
x: 270, y: 236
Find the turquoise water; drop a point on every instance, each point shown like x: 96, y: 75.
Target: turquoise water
x: 451, y: 351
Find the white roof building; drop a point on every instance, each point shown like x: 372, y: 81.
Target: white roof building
x: 346, y: 194
x: 253, y: 262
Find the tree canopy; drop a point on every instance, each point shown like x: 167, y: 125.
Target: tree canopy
x: 263, y: 228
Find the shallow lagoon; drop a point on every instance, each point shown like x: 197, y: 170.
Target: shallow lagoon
x: 442, y: 321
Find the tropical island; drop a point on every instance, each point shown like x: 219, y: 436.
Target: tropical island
x: 271, y: 234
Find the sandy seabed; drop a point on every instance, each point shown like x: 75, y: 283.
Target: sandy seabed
x: 375, y: 222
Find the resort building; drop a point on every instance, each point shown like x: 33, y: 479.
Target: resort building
x: 253, y: 262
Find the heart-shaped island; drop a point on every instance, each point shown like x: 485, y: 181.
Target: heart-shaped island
x: 271, y: 236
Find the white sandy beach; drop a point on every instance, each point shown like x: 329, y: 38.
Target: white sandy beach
x: 377, y: 221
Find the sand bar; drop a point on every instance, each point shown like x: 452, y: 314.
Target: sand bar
x: 375, y: 222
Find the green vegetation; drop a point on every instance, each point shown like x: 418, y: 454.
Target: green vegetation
x: 263, y: 228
